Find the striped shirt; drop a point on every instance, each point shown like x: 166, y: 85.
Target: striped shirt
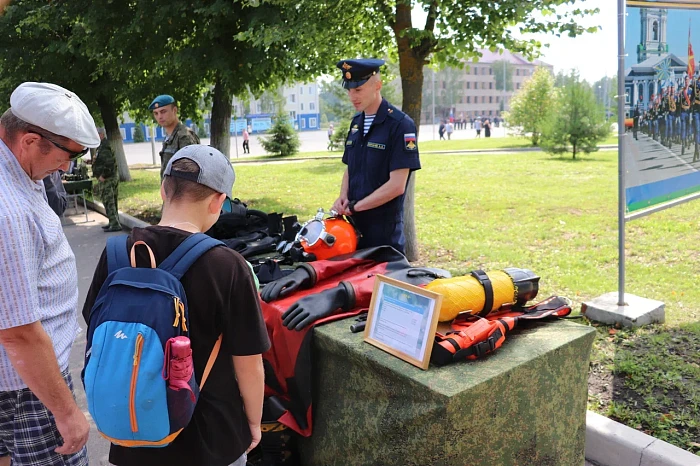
x: 38, y: 276
x: 368, y: 122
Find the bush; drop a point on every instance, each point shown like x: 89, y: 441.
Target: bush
x: 202, y: 132
x: 138, y: 134
x: 282, y: 139
x: 340, y: 133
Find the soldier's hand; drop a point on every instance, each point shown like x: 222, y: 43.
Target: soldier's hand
x: 101, y: 179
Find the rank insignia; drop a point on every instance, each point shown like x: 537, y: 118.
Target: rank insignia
x: 390, y: 110
x: 375, y: 145
x: 354, y: 129
x: 409, y: 140
x: 346, y: 66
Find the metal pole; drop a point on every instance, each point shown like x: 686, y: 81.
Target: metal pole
x: 152, y: 129
x: 432, y: 73
x: 620, y: 153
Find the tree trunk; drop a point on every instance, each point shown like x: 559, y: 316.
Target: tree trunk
x: 574, y: 149
x: 114, y: 135
x: 411, y: 63
x: 221, y: 118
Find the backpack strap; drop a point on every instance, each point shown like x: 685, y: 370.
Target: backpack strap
x: 180, y: 260
x: 117, y: 254
x: 210, y: 363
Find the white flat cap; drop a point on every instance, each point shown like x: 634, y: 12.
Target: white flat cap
x: 56, y: 110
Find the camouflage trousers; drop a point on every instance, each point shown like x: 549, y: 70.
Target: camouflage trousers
x: 108, y: 190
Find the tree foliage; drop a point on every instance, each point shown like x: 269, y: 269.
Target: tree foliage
x: 533, y: 106
x: 282, y: 139
x: 578, y: 125
x: 53, y: 42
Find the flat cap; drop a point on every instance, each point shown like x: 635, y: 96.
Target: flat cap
x: 55, y: 109
x: 161, y: 101
x: 356, y: 72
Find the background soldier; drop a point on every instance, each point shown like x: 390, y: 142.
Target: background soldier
x: 164, y: 111
x: 696, y: 116
x: 104, y: 168
x: 685, y: 101
x: 670, y: 111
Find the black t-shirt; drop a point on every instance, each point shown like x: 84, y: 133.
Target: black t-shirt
x: 222, y: 299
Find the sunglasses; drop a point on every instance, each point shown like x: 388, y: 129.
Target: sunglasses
x: 71, y: 155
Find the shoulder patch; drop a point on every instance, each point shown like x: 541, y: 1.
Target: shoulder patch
x: 409, y: 141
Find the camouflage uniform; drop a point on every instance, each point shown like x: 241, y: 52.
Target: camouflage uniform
x: 105, y: 165
x: 180, y: 137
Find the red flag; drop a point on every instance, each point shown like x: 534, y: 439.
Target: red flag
x: 691, y: 57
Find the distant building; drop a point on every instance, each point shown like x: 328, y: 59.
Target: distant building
x: 476, y: 93
x: 301, y: 104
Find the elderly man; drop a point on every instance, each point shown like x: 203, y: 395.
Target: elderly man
x: 164, y: 110
x: 40, y: 423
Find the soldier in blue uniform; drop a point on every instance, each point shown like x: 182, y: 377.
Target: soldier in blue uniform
x: 381, y: 151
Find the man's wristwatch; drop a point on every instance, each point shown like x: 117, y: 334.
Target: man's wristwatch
x: 351, y: 207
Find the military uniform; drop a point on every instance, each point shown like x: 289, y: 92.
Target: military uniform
x: 180, y: 137
x: 390, y: 144
x: 105, y: 166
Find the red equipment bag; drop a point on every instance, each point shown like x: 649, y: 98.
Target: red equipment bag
x: 472, y: 336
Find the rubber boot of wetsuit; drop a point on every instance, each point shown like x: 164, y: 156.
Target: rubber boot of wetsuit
x: 277, y: 445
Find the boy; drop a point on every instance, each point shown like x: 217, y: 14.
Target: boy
x: 222, y: 299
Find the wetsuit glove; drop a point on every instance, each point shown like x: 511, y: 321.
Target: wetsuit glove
x: 286, y: 285
x: 313, y: 307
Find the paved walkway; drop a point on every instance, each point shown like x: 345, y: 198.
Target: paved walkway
x: 87, y: 241
x: 311, y: 141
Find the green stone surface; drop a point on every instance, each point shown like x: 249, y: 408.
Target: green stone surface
x: 525, y: 404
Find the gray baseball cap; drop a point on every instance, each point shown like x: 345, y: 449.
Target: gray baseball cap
x: 215, y: 170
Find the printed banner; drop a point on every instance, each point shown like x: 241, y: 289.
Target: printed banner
x: 662, y: 102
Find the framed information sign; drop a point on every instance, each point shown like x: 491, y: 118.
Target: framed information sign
x: 402, y: 319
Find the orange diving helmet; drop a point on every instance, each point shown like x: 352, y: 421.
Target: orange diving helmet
x: 327, y: 237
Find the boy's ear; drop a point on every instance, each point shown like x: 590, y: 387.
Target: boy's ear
x: 216, y: 202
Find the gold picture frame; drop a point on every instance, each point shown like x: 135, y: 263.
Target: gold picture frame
x: 402, y: 319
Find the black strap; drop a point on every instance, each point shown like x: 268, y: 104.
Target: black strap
x: 488, y: 291
x: 481, y: 348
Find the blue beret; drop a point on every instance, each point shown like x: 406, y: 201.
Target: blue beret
x: 161, y: 100
x: 357, y: 72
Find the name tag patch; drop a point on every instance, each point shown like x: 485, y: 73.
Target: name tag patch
x: 375, y: 145
x: 409, y: 140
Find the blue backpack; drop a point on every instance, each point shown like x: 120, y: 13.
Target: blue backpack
x: 138, y: 313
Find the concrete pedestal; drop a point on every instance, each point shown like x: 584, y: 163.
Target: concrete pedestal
x: 523, y: 405
x: 637, y: 311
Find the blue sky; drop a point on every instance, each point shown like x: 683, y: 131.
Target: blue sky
x: 677, y: 35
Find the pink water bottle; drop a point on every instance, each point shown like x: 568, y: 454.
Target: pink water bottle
x: 178, y: 368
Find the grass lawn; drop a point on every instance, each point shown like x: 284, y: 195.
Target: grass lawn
x: 557, y: 217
